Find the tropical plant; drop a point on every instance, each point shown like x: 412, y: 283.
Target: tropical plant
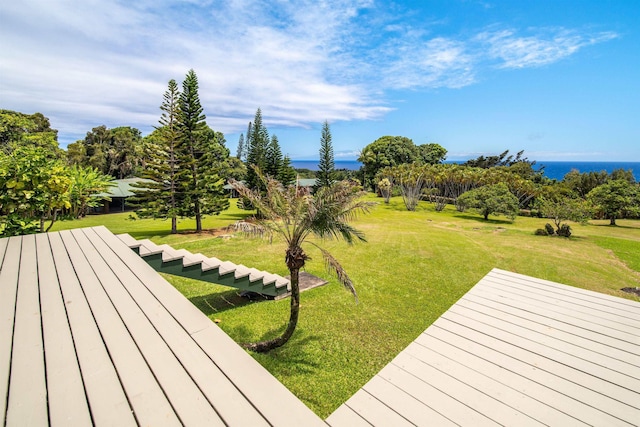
x: 86, y: 183
x: 293, y: 214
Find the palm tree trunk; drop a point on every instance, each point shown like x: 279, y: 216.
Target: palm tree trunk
x: 295, y: 261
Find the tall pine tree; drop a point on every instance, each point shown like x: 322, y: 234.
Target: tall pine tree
x: 241, y: 148
x: 326, y: 168
x: 257, y: 143
x: 159, y: 197
x: 205, y: 157
x: 274, y: 158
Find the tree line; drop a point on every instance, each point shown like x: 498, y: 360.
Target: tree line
x: 502, y: 184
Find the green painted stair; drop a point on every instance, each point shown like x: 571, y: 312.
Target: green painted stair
x: 180, y: 262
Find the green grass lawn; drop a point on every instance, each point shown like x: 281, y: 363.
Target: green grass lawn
x: 413, y: 268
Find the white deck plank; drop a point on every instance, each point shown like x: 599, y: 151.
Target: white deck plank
x: 374, y: 411
x: 68, y: 404
x: 165, y: 374
x: 563, y: 352
x: 266, y: 393
x: 622, y: 320
x: 575, y: 293
x: 626, y: 338
x: 458, y: 388
x: 27, y: 403
x: 107, y: 400
x: 563, y: 365
x: 346, y: 417
x: 562, y: 378
x: 556, y: 392
x: 449, y: 407
x: 460, y: 351
x: 190, y: 317
x: 415, y: 411
x: 8, y: 292
x: 552, y: 327
x: 490, y: 386
x: 232, y: 406
x: 143, y: 392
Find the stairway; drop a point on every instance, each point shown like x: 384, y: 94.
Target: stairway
x: 180, y: 262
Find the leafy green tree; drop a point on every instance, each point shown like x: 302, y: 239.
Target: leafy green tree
x: 123, y: 152
x: 294, y: 215
x: 19, y: 129
x: 559, y: 204
x: 160, y: 196
x: 34, y: 188
x: 582, y: 183
x: 386, y: 151
x: 615, y: 199
x: 432, y: 153
x: 491, y: 200
x: 326, y: 167
x: 116, y: 152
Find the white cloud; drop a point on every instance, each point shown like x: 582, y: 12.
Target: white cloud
x: 542, y: 48
x: 85, y: 63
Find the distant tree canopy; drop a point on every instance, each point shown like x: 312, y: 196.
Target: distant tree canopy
x: 116, y: 152
x: 616, y: 199
x: 389, y: 151
x: 502, y: 159
x: 33, y: 130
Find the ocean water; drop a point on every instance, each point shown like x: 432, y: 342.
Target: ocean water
x: 552, y: 169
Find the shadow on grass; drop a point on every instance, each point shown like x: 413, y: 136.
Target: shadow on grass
x: 219, y: 302
x: 482, y: 220
x: 607, y: 225
x: 292, y: 358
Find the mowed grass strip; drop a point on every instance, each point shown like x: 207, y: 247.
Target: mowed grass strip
x: 413, y: 268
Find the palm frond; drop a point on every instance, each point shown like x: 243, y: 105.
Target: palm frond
x: 334, y: 267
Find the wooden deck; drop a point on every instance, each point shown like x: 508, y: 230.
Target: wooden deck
x: 513, y: 351
x: 92, y: 335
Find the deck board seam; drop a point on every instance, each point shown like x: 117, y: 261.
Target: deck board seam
x: 189, y: 333
x: 158, y: 332
x: 71, y: 332
x: 100, y: 332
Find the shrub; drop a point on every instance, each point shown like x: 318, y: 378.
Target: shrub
x: 565, y: 230
x: 549, y: 228
x: 541, y: 232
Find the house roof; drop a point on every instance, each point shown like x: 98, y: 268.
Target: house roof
x: 513, y: 351
x: 91, y: 334
x: 122, y: 188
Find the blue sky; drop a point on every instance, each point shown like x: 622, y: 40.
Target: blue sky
x: 557, y: 78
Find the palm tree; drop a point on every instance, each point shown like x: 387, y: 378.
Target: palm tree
x: 293, y: 214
